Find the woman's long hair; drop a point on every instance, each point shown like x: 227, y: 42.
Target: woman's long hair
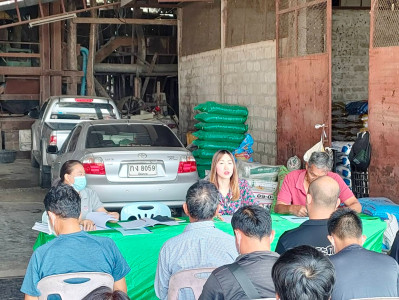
x: 235, y: 190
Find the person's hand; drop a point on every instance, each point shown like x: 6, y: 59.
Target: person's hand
x: 88, y: 225
x: 219, y: 215
x: 113, y: 214
x: 299, y: 210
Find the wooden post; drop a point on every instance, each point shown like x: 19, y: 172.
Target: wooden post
x: 44, y: 37
x: 92, y: 52
x: 56, y: 51
x: 72, y: 88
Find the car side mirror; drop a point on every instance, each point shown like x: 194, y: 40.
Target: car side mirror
x: 52, y: 149
x: 34, y: 113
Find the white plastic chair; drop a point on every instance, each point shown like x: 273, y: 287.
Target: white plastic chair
x: 144, y: 210
x: 73, y: 286
x: 192, y: 278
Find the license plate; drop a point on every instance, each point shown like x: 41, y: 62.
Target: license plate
x: 142, y: 170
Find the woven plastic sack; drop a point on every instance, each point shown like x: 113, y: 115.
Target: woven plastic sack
x: 379, y: 207
x: 214, y: 118
x: 202, y: 170
x: 219, y: 136
x: 203, y: 161
x: 217, y: 127
x: 215, y: 145
x: 244, y: 151
x: 223, y: 109
x: 204, y: 153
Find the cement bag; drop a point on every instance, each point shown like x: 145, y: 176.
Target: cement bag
x: 214, y: 118
x: 215, y: 145
x: 223, y: 109
x: 217, y: 127
x: 252, y: 170
x: 244, y: 151
x: 204, y: 153
x: 219, y: 136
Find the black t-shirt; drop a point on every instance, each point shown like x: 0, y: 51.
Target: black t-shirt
x: 360, y: 273
x: 311, y: 232
x: 222, y: 284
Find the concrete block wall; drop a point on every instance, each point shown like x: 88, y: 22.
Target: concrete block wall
x: 245, y: 75
x: 350, y: 55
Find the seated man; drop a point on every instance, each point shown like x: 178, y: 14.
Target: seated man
x: 253, y: 233
x: 73, y: 250
x: 292, y: 197
x: 303, y: 273
x: 321, y: 201
x: 200, y: 245
x: 360, y: 273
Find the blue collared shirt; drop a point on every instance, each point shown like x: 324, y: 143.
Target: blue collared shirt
x: 200, y: 245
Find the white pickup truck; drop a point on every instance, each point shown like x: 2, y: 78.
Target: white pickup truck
x: 55, y: 120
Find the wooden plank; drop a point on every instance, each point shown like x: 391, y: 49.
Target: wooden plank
x: 44, y: 38
x: 20, y: 97
x: 90, y: 85
x: 112, y: 45
x: 19, y: 55
x: 56, y: 51
x: 165, y: 22
x: 34, y: 71
x: 72, y: 61
x: 149, y: 70
x: 303, y: 95
x: 384, y: 122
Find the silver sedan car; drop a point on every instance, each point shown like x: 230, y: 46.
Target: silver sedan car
x: 127, y: 161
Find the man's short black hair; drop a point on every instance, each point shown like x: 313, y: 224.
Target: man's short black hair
x: 345, y: 223
x: 303, y: 273
x: 63, y: 201
x: 202, y: 200
x: 253, y: 221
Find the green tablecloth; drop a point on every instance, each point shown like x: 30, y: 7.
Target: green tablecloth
x: 141, y: 251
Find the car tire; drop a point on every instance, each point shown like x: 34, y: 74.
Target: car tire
x: 33, y: 161
x: 45, y: 177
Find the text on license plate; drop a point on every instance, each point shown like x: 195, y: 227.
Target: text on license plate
x: 142, y: 169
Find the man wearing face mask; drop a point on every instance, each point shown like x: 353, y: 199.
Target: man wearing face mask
x: 73, y: 250
x: 73, y: 173
x: 249, y: 277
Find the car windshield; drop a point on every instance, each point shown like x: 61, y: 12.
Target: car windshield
x: 82, y: 111
x: 130, y: 135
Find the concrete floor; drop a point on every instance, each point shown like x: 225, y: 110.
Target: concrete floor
x: 21, y: 204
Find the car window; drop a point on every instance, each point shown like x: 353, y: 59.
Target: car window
x: 65, y: 144
x: 74, y: 139
x: 41, y: 113
x: 131, y: 135
x: 82, y: 111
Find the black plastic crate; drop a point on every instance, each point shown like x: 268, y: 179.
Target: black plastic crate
x: 360, y: 184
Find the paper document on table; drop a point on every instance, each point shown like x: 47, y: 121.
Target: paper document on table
x: 100, y: 218
x: 133, y: 224
x: 295, y: 219
x: 152, y: 222
x: 227, y: 218
x: 141, y: 230
x: 42, y: 227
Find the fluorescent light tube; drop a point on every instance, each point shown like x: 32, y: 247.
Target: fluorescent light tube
x: 48, y: 20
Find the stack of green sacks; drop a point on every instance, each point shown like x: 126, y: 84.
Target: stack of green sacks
x: 221, y: 127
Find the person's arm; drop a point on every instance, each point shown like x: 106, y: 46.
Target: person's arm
x: 29, y: 297
x: 212, y: 289
x: 354, y: 204
x: 88, y: 225
x: 297, y: 210
x: 111, y: 213
x: 120, y: 285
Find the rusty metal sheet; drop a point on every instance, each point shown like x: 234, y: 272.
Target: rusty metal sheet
x: 22, y: 86
x: 303, y: 91
x: 384, y: 122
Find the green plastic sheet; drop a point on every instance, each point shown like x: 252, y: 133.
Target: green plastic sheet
x: 141, y: 251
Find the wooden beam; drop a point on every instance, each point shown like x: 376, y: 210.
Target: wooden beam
x: 112, y: 45
x: 167, y: 22
x: 72, y: 61
x: 33, y: 71
x: 20, y: 97
x: 19, y: 55
x: 90, y: 85
x: 56, y: 51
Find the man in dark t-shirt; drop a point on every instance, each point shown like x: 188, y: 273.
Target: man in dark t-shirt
x: 359, y: 273
x: 321, y: 201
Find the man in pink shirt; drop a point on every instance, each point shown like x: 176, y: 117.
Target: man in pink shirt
x: 292, y: 196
